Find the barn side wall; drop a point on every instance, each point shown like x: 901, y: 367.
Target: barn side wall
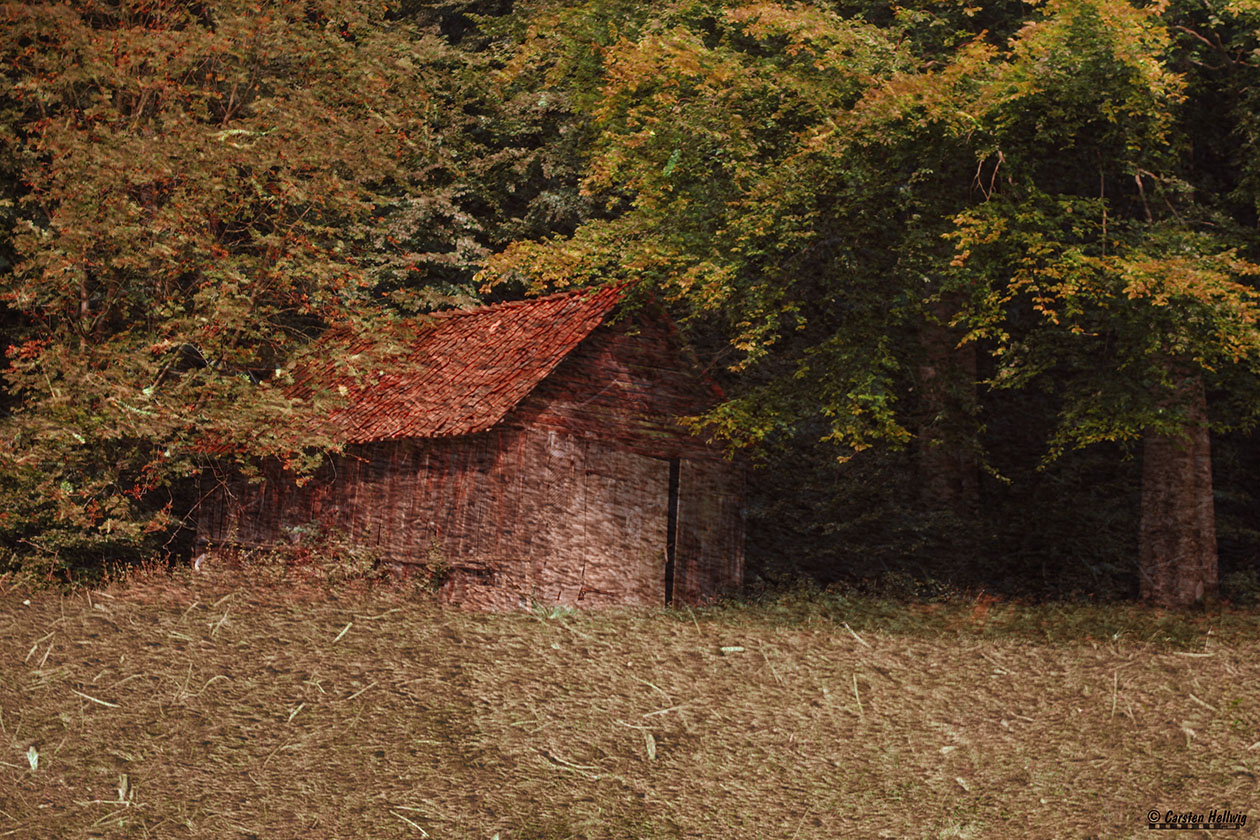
x: 515, y: 515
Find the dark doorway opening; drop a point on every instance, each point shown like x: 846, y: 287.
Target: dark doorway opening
x: 671, y: 529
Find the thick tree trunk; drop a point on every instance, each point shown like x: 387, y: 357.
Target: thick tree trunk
x: 1177, y: 540
x: 949, y: 474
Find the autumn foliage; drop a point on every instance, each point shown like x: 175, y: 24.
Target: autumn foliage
x: 199, y: 187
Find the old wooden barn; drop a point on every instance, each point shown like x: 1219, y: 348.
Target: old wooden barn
x: 531, y: 449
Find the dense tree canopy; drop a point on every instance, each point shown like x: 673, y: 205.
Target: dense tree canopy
x: 795, y: 171
x: 874, y: 220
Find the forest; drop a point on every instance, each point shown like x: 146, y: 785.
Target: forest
x: 979, y: 279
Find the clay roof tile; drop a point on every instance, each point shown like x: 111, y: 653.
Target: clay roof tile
x: 460, y: 371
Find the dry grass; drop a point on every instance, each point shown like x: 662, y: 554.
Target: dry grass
x: 205, y: 708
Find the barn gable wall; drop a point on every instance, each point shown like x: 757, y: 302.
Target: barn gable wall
x: 624, y: 384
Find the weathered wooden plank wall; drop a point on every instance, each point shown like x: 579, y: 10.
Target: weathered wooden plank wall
x: 516, y: 514
x: 585, y: 525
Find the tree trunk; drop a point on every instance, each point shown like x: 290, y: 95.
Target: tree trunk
x: 949, y: 474
x: 1177, y: 538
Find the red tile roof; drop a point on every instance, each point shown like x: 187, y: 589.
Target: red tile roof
x: 460, y: 371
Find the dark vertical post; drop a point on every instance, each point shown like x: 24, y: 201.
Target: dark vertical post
x: 671, y: 530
